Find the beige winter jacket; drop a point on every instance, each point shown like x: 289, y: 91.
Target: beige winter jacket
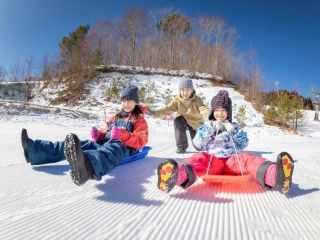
x: 193, y: 110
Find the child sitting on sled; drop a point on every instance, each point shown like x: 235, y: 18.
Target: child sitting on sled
x: 125, y: 133
x: 190, y: 110
x: 217, y: 141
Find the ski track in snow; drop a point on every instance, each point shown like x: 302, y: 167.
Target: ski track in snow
x: 42, y: 202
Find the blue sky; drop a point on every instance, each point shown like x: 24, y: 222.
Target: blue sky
x: 285, y: 34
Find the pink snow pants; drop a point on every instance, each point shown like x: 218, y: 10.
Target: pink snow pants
x: 225, y: 166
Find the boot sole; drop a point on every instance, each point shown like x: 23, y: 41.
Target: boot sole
x: 75, y: 163
x: 167, y: 175
x: 285, y: 166
x: 24, y: 141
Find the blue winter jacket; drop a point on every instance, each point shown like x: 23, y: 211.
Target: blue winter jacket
x: 219, y: 143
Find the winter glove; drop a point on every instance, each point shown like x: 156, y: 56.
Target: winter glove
x: 229, y: 127
x: 94, y: 134
x: 220, y: 126
x: 224, y: 126
x: 115, y: 133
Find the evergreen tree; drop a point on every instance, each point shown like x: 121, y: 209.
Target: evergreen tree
x: 72, y: 48
x: 241, y: 116
x: 307, y: 103
x: 173, y: 24
x: 167, y: 96
x: 284, y: 109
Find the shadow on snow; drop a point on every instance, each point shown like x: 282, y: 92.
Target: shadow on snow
x: 128, y: 182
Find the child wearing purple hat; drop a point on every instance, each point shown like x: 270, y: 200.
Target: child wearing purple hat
x: 219, y: 142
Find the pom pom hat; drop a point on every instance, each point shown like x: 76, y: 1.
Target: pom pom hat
x: 221, y: 100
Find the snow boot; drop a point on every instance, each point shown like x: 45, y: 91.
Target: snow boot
x: 80, y: 167
x: 285, y: 166
x: 182, y: 174
x: 24, y: 141
x: 190, y: 178
x: 180, y: 150
x: 167, y: 175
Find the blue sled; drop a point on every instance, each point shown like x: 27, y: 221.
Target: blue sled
x: 143, y: 152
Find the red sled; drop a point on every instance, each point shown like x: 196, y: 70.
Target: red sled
x: 234, y: 179
x: 240, y: 179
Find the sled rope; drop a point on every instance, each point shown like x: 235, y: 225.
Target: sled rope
x: 214, y: 143
x: 235, y: 149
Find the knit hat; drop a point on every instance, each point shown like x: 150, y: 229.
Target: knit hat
x: 222, y: 100
x: 185, y: 83
x: 131, y: 92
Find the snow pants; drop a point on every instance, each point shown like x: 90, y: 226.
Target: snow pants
x: 180, y: 129
x: 103, y: 155
x: 254, y: 165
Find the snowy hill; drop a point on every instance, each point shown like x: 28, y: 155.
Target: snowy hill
x: 42, y: 202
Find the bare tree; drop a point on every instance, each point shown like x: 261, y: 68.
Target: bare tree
x: 105, y: 37
x: 218, y: 39
x: 194, y: 53
x: 16, y: 72
x: 174, y: 25
x: 99, y: 43
x: 211, y: 30
x: 134, y: 27
x: 156, y: 42
x: 28, y: 67
x: 3, y: 74
x: 206, y: 27
x: 49, y: 68
x: 159, y: 39
x: 254, y: 75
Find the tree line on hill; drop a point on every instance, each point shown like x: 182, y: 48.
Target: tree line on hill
x: 160, y: 39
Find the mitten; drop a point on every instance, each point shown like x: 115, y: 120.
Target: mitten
x: 115, y: 133
x: 228, y: 126
x: 94, y: 134
x: 224, y: 126
x: 220, y: 126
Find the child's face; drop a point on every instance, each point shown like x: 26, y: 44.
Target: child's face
x: 220, y: 114
x: 128, y: 104
x: 186, y: 93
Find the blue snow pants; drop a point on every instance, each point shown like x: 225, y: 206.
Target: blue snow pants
x: 103, y: 155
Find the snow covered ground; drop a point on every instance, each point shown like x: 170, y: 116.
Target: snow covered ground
x: 42, y: 202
